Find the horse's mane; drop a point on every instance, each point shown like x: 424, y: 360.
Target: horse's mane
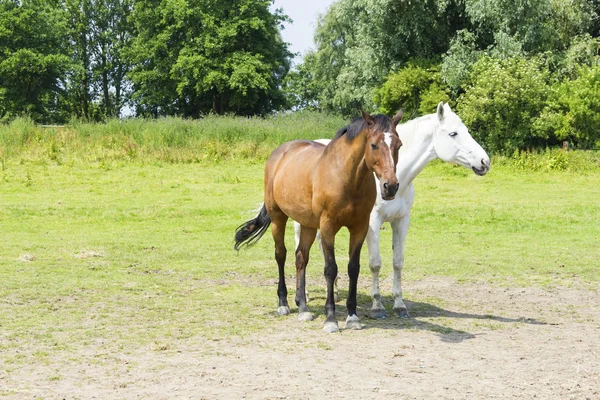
x: 358, y: 124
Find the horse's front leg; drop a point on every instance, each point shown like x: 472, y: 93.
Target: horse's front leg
x: 306, y: 239
x: 331, y: 270
x: 377, y: 309
x: 357, y: 238
x: 399, y: 232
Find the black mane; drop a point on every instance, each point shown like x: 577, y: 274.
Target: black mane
x: 358, y: 124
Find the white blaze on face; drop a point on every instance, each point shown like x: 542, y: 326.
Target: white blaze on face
x: 388, y: 141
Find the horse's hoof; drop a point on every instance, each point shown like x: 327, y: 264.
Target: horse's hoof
x: 378, y: 314
x: 305, y: 316
x: 283, y: 310
x: 353, y: 323
x: 401, y: 312
x: 331, y: 327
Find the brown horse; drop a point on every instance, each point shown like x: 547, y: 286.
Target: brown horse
x: 326, y: 188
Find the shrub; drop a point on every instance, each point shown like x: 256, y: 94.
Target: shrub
x: 502, y: 101
x: 573, y: 112
x: 417, y: 88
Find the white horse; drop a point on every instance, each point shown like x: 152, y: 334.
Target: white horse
x: 439, y: 135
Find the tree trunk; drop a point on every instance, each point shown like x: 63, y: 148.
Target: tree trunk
x: 105, y: 82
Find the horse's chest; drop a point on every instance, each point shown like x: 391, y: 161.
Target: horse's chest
x: 397, y: 208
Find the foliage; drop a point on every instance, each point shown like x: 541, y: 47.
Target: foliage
x: 99, y: 33
x: 461, y: 55
x: 573, y: 111
x: 33, y: 59
x: 193, y: 57
x: 360, y: 42
x: 301, y: 87
x: 416, y: 88
x: 584, y: 51
x: 503, y: 100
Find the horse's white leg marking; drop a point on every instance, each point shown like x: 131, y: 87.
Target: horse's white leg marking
x: 352, y: 322
x: 377, y: 310
x: 297, y: 229
x: 399, y: 232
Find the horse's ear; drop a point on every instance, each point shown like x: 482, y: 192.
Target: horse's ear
x: 397, y: 118
x: 367, y: 117
x: 440, y: 110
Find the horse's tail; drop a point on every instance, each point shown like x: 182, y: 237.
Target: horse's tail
x: 249, y: 232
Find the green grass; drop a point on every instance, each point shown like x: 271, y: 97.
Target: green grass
x: 153, y: 244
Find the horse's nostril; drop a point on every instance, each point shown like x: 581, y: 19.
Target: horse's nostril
x: 483, y: 162
x: 385, y: 186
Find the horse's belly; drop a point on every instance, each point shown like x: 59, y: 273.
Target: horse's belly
x: 292, y: 192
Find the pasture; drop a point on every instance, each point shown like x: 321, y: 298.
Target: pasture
x: 118, y: 279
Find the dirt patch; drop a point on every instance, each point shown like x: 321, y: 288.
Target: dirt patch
x: 463, y: 342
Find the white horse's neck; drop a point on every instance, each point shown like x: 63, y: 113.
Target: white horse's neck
x: 417, y: 148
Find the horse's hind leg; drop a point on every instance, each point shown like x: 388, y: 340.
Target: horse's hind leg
x: 399, y: 232
x: 377, y: 309
x: 278, y: 222
x: 307, y: 237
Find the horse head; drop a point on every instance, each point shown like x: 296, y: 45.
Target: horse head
x: 452, y: 142
x: 381, y: 151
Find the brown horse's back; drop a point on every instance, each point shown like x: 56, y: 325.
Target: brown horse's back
x: 288, y: 180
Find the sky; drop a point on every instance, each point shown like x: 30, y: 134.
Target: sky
x: 304, y: 15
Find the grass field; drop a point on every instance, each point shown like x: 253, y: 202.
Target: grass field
x: 119, y: 253
x: 154, y: 242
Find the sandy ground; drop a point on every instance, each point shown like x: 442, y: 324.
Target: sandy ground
x: 486, y: 342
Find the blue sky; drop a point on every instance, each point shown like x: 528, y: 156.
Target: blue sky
x: 304, y: 14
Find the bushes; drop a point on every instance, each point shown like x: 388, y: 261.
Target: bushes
x: 573, y: 112
x: 417, y: 89
x: 502, y: 102
x: 511, y: 103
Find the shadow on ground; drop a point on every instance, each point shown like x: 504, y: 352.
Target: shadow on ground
x: 421, y: 314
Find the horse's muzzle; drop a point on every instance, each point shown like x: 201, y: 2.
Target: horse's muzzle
x: 389, y: 190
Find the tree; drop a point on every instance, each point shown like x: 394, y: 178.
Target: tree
x: 99, y: 33
x: 33, y: 59
x: 196, y: 56
x: 112, y: 34
x: 301, y: 88
x: 514, y: 28
x: 359, y: 42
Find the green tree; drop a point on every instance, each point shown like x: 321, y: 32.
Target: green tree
x: 33, y: 59
x: 359, y: 42
x: 513, y: 28
x: 301, y: 88
x: 99, y: 33
x: 196, y: 56
x: 111, y: 34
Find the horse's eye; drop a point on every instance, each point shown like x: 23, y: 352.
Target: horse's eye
x: 373, y: 146
x: 453, y: 134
